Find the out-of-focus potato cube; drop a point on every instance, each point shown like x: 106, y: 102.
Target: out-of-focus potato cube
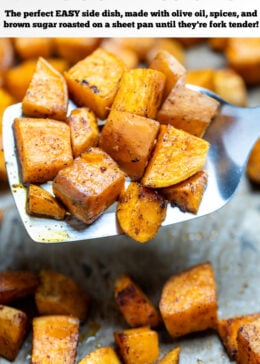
x: 170, y: 66
x: 13, y: 329
x: 248, y: 343
x: 55, y: 339
x: 58, y: 294
x: 228, y: 330
x: 140, y: 212
x: 43, y: 148
x: 141, y: 46
x: 187, y: 195
x: 190, y: 42
x: 17, y: 284
x: 122, y: 138
x: 203, y: 77
x: 140, y: 92
x: 90, y: 185
x: 135, y: 306
x: 94, y: 81
x: 218, y: 44
x: 47, y: 93
x: 75, y: 49
x: 188, y: 301
x: 243, y: 55
x: 138, y: 346
x: 126, y: 54
x: 104, y: 355
x: 188, y: 110
x: 172, y: 357
x: 6, y: 54
x: 172, y: 46
x: 33, y: 47
x: 177, y: 156
x: 83, y: 129
x: 253, y: 163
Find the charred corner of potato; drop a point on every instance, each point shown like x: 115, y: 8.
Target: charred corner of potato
x: 188, y: 301
x: 137, y: 345
x: 58, y: 294
x: 248, y: 343
x: 103, y: 355
x: 134, y: 304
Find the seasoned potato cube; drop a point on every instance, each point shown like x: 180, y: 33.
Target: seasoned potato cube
x: 122, y: 138
x: 83, y: 129
x: 33, y: 47
x: 140, y: 212
x: 177, y: 156
x: 137, y: 309
x: 41, y: 203
x: 13, y: 329
x: 16, y: 284
x: 172, y: 357
x: 58, y: 294
x: 228, y: 330
x: 170, y: 66
x: 138, y: 345
x: 248, y: 343
x: 94, y: 81
x: 188, y: 301
x: 75, y: 49
x: 253, y: 163
x: 43, y: 148
x: 201, y: 77
x: 47, y: 94
x: 188, y: 110
x: 90, y: 185
x: 140, y: 92
x: 104, y: 355
x: 55, y: 339
x: 187, y: 195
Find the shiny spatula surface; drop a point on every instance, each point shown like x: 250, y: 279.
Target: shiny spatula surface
x: 231, y: 135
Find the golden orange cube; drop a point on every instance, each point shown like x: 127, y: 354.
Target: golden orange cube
x: 104, y: 355
x: 172, y: 357
x: 248, y: 342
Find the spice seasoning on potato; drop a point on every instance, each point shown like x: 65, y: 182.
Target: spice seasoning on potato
x: 248, y: 343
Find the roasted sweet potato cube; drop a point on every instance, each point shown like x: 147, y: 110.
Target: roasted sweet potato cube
x: 104, y: 355
x: 187, y: 195
x: 44, y: 148
x: 188, y: 301
x: 33, y: 47
x: 138, y: 345
x: 140, y: 212
x: 83, y: 129
x: 201, y: 77
x: 90, y: 185
x: 170, y: 45
x: 248, y: 343
x: 122, y: 138
x: 228, y: 330
x: 140, y: 92
x: 188, y: 110
x: 55, y: 339
x: 170, y: 66
x: 253, y: 163
x: 127, y: 55
x: 94, y: 81
x: 13, y: 329
x: 17, y: 284
x: 136, y: 307
x: 141, y: 45
x: 177, y: 156
x: 59, y: 294
x: 42, y: 203
x: 172, y: 357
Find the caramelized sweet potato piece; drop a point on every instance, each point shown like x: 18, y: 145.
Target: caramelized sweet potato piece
x: 140, y: 212
x: 138, y: 345
x: 33, y: 47
x: 187, y: 195
x: 248, y: 342
x: 228, y: 330
x: 94, y: 81
x: 140, y: 92
x: 13, y: 329
x: 16, y: 284
x: 43, y: 148
x: 55, y: 339
x: 188, y: 110
x: 58, y: 294
x: 104, y: 355
x: 90, y: 185
x: 172, y: 357
x: 137, y: 309
x: 188, y: 301
x: 47, y: 94
x: 177, y: 156
x: 41, y: 203
x: 83, y: 129
x: 201, y: 77
x: 122, y: 138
